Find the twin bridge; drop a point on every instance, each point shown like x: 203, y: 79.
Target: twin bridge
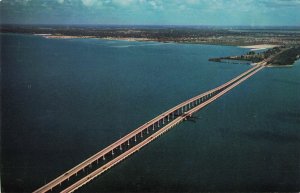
x: 134, y: 141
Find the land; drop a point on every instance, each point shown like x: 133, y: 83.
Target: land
x: 237, y: 36
x: 274, y: 39
x: 286, y: 57
x: 276, y: 56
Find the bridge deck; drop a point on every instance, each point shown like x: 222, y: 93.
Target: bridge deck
x: 141, y: 136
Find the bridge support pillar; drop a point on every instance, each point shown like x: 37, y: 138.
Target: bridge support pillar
x: 147, y: 130
x: 128, y: 143
x: 135, y: 138
x: 168, y: 118
x: 158, y: 123
x: 121, y: 147
x: 153, y: 127
x: 142, y: 134
x: 103, y: 157
x: 112, y: 152
x: 163, y: 122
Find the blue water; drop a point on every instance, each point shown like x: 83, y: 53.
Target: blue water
x: 64, y: 100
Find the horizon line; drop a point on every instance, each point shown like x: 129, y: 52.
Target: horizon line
x: 170, y: 25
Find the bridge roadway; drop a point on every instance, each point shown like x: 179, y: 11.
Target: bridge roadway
x: 162, y: 123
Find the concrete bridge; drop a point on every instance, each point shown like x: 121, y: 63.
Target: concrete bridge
x: 138, y: 138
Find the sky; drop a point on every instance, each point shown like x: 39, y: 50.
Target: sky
x: 152, y: 12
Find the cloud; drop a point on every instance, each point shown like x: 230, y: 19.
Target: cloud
x: 192, y: 1
x: 88, y: 2
x: 154, y: 4
x: 225, y: 12
x: 123, y: 2
x: 281, y: 3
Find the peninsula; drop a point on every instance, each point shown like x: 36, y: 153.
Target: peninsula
x: 277, y: 56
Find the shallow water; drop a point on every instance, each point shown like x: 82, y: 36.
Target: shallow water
x: 64, y: 100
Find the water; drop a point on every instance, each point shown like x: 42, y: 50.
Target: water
x: 64, y: 100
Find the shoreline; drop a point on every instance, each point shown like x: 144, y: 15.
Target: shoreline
x: 64, y: 37
x: 260, y: 47
x: 133, y: 39
x: 279, y: 66
x: 251, y: 47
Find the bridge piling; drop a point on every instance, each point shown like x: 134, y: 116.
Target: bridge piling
x: 186, y: 111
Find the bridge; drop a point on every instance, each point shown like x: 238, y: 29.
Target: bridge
x: 138, y: 138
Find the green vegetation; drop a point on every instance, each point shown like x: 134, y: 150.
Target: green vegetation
x: 287, y: 57
x: 276, y: 56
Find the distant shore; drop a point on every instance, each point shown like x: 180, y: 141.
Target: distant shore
x: 50, y: 36
x: 252, y: 47
x: 254, y: 39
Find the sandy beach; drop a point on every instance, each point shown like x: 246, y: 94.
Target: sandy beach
x: 127, y: 39
x: 65, y: 37
x: 260, y: 46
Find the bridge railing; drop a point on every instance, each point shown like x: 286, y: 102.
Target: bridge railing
x: 135, y: 132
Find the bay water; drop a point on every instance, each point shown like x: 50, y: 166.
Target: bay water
x: 65, y: 99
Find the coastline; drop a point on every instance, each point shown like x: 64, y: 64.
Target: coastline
x: 280, y: 66
x: 251, y: 47
x: 128, y: 39
x: 260, y: 46
x: 64, y: 37
x: 133, y: 39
